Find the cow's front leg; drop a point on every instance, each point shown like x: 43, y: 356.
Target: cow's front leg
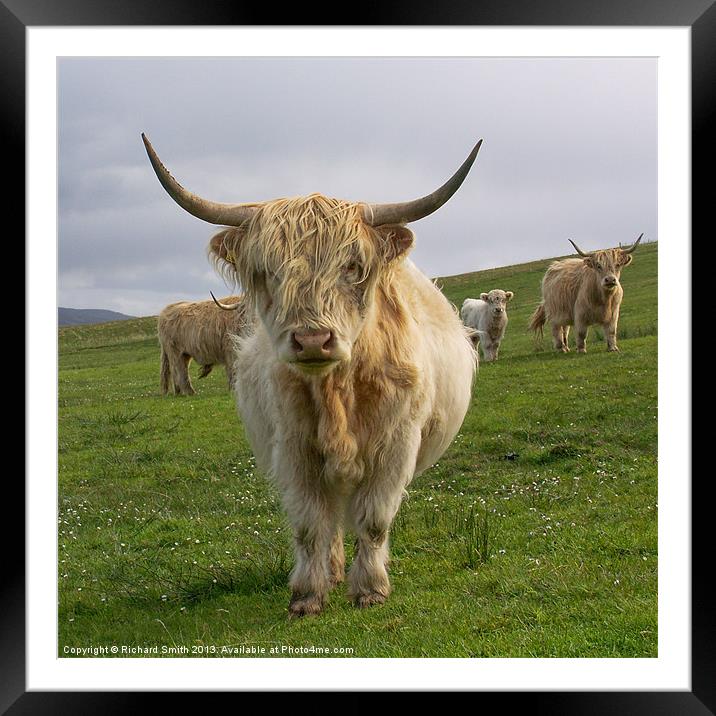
x: 371, y: 511
x: 313, y: 517
x: 368, y: 581
x: 581, y: 330
x: 610, y: 331
x: 488, y: 351
x: 310, y: 578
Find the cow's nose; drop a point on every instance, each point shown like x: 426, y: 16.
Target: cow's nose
x: 610, y: 280
x: 312, y: 344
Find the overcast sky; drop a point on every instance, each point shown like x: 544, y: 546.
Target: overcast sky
x: 569, y: 152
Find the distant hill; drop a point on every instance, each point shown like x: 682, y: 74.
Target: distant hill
x: 80, y: 316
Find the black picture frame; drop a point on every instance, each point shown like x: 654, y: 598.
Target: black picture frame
x: 699, y: 15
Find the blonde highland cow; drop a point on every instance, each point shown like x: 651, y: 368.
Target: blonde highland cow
x: 355, y: 377
x: 581, y: 293
x: 198, y: 330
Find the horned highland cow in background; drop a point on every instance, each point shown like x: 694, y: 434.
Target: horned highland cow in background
x: 487, y: 316
x: 581, y: 293
x: 355, y: 377
x: 198, y: 330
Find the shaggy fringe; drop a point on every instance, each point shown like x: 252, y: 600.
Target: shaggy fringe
x: 304, y: 241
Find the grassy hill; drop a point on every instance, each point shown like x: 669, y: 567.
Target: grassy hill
x: 80, y: 316
x: 534, y: 536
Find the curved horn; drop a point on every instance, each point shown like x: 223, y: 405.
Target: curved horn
x: 211, y: 211
x: 633, y: 246
x: 404, y: 213
x: 225, y: 306
x: 579, y: 251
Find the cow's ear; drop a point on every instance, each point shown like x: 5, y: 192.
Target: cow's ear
x: 223, y: 247
x: 625, y: 259
x: 484, y: 296
x: 509, y: 294
x: 397, y: 240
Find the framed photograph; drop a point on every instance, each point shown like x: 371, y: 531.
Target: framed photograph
x: 542, y: 540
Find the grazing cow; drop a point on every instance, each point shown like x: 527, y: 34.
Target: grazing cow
x: 357, y: 374
x: 198, y: 330
x: 583, y: 292
x: 487, y: 316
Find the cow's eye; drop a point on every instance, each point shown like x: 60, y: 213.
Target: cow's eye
x: 352, y: 271
x: 599, y: 267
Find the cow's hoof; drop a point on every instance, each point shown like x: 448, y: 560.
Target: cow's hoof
x: 336, y: 578
x: 581, y: 350
x: 368, y: 600
x: 303, y: 606
x: 613, y: 350
x: 564, y: 349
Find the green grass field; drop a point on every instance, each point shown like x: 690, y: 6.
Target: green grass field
x: 534, y: 536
